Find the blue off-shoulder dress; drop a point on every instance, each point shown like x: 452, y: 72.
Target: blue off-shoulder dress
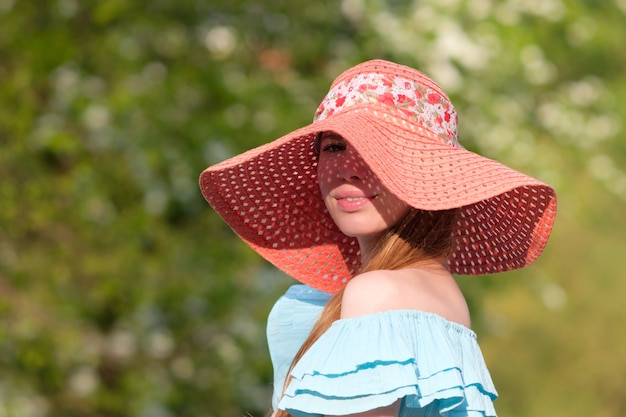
x: 434, y: 365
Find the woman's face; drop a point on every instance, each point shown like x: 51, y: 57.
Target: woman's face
x: 356, y: 200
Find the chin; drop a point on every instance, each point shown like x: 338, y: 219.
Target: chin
x: 361, y: 227
x: 362, y: 232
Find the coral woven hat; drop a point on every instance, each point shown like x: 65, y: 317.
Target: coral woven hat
x: 405, y: 128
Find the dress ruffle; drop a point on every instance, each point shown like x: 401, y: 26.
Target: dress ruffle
x: 367, y: 362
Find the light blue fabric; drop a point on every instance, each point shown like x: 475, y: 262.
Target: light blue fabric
x: 367, y: 362
x: 289, y: 323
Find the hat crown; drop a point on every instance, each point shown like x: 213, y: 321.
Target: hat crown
x: 412, y: 94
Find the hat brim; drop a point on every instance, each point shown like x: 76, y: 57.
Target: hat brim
x: 270, y: 198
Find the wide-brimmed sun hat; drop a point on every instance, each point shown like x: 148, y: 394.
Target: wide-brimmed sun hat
x: 404, y: 127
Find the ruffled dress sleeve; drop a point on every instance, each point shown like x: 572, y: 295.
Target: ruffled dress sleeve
x: 367, y: 362
x: 289, y: 323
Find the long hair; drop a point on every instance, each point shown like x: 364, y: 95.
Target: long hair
x: 420, y: 236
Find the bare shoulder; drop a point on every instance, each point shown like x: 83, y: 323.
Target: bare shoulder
x: 406, y: 289
x: 370, y: 292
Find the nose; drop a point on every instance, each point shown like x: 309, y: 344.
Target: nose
x: 352, y: 167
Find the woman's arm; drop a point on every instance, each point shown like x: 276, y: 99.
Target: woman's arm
x: 389, y: 411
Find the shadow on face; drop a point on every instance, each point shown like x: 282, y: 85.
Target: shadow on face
x: 341, y: 169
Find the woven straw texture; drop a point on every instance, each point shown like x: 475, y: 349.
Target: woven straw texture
x: 270, y: 197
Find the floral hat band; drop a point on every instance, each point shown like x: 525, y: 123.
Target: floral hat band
x: 427, y: 106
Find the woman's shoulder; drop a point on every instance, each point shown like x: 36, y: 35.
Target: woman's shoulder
x: 423, y: 289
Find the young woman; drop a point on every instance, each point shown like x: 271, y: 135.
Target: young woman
x: 377, y: 203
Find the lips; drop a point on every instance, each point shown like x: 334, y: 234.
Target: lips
x: 352, y: 200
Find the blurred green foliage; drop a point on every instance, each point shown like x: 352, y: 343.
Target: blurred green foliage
x: 123, y: 294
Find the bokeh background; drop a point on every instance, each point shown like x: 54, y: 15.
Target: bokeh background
x: 123, y: 294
